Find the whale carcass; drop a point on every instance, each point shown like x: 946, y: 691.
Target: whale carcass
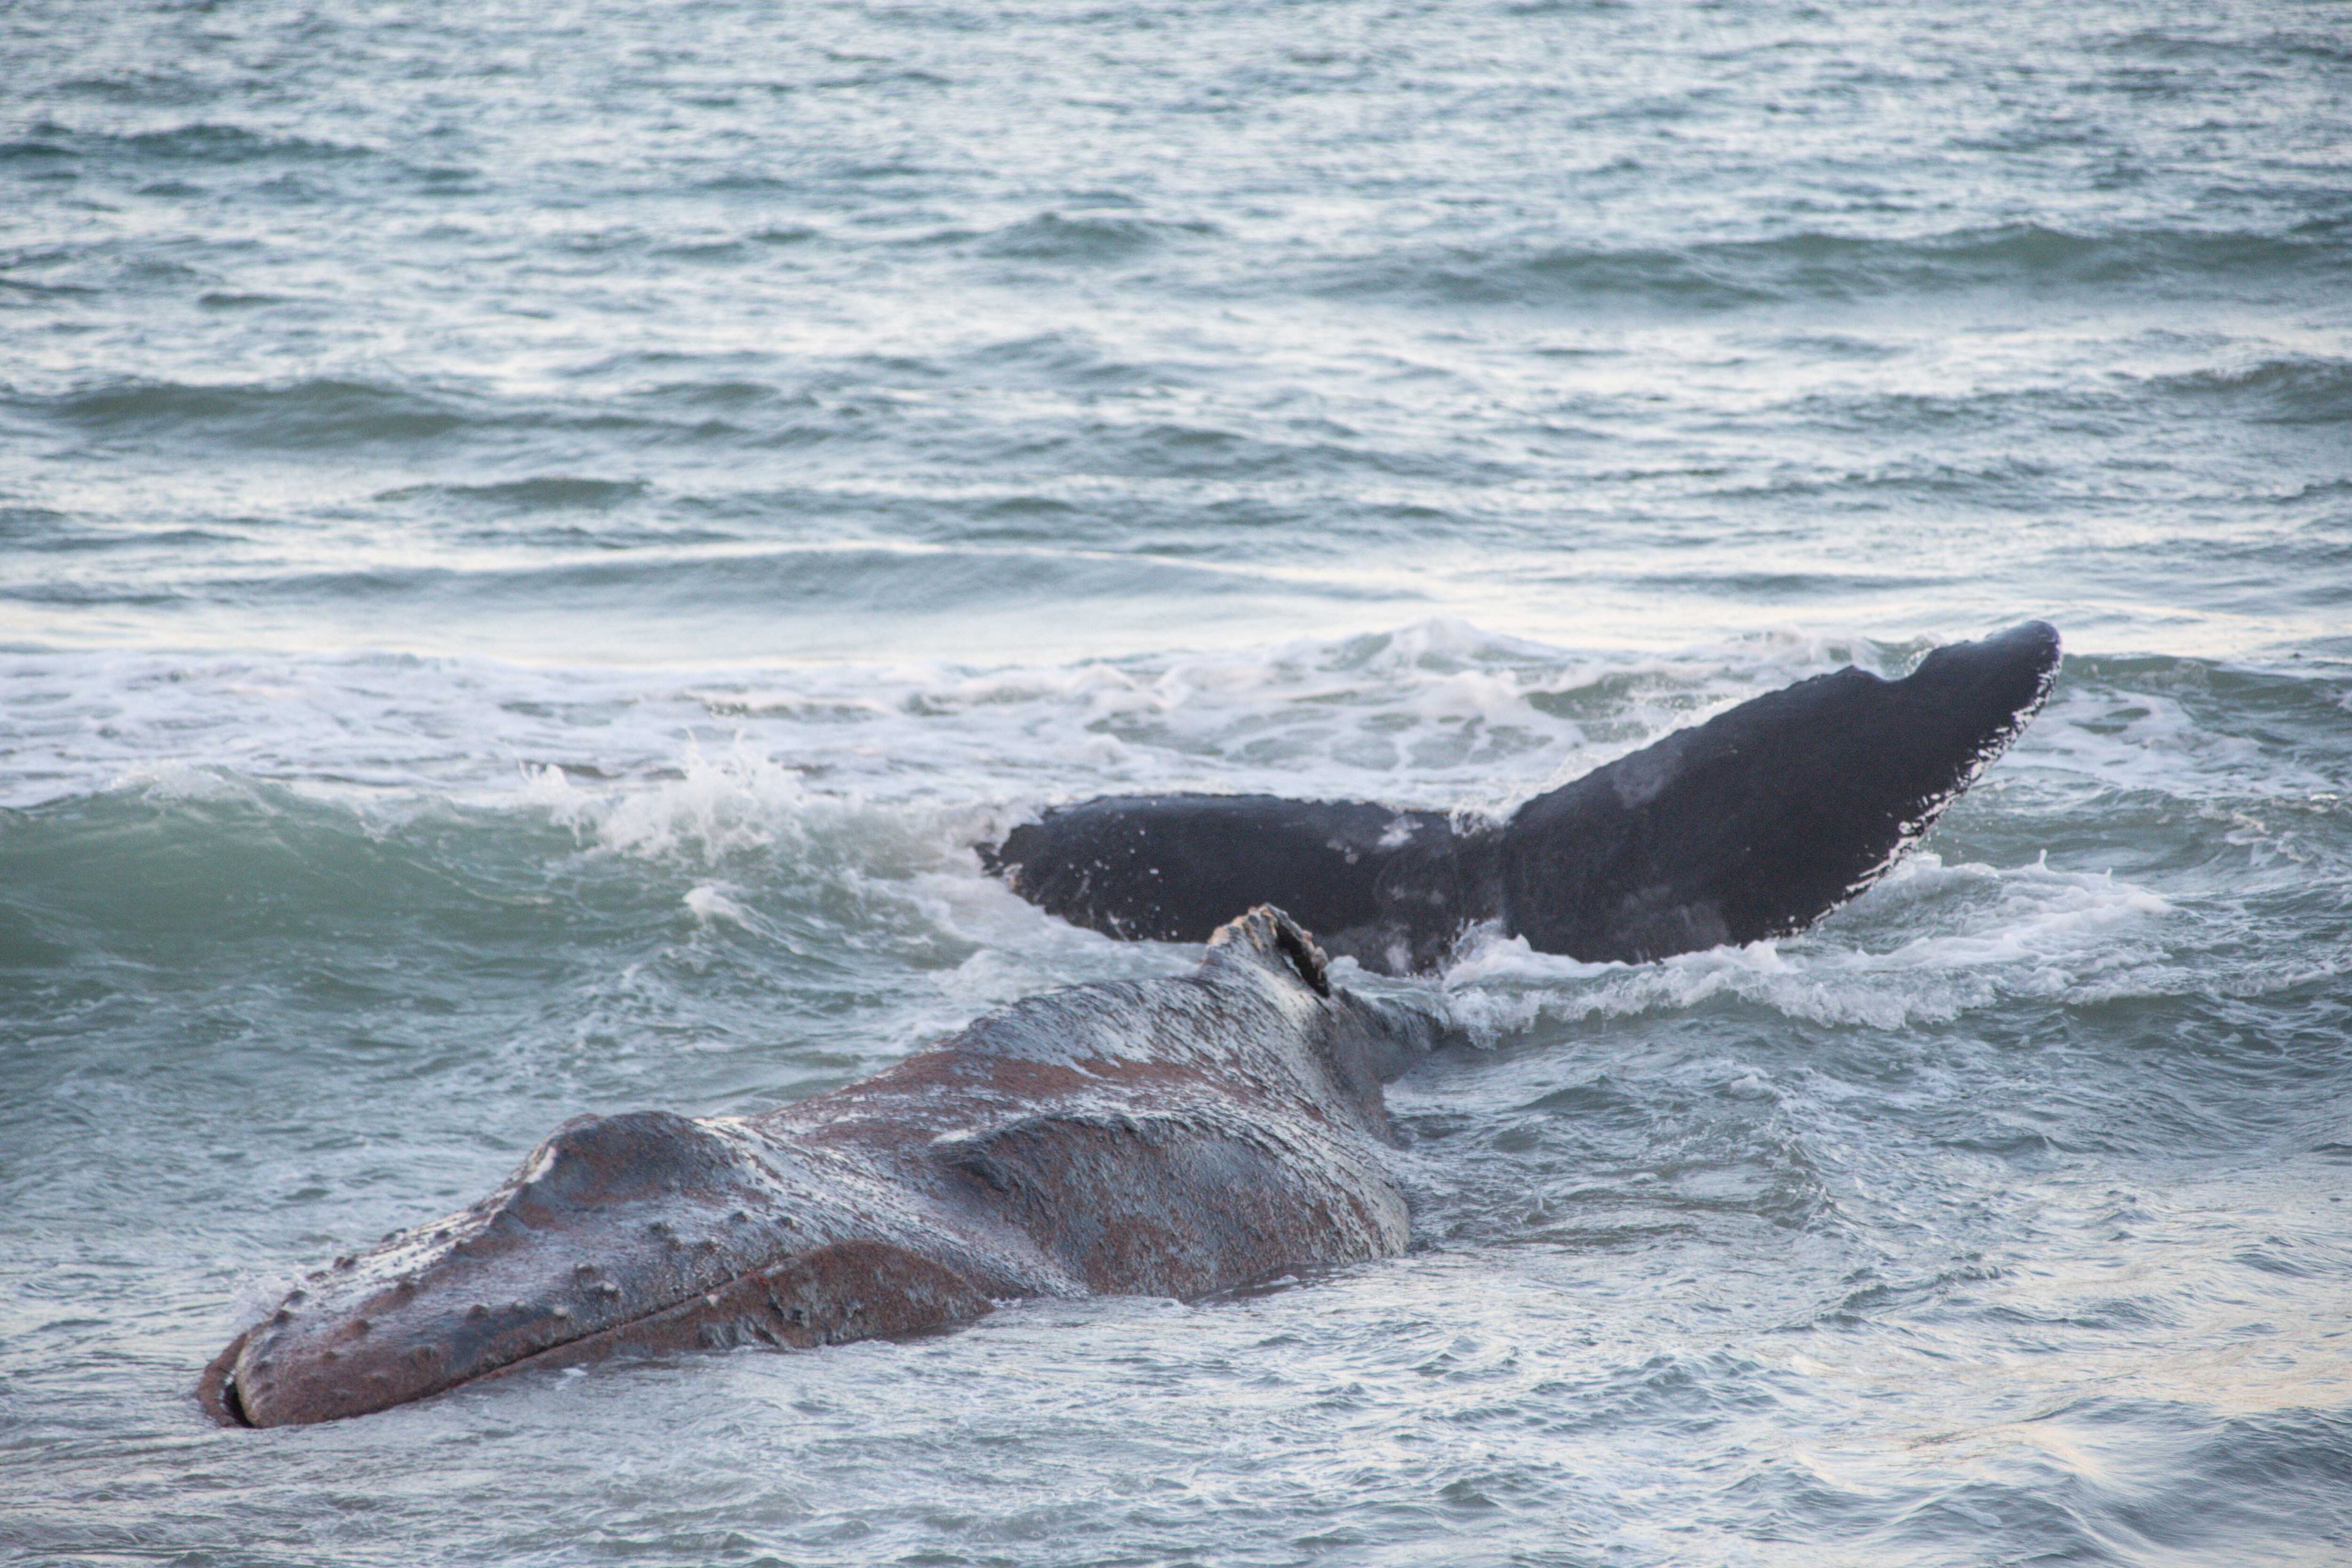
x: 1171, y: 1137
x: 1168, y: 1137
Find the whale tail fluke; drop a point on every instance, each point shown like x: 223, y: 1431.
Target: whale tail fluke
x: 1764, y: 818
x: 1748, y: 827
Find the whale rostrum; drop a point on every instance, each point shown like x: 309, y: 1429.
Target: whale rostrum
x: 1168, y: 1137
x: 1748, y: 827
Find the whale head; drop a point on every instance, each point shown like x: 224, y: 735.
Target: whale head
x: 647, y: 1230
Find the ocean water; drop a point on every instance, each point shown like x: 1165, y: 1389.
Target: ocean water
x: 534, y: 539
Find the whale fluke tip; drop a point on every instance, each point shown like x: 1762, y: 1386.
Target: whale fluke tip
x: 1761, y: 820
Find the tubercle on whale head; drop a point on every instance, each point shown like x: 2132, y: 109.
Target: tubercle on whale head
x: 646, y: 1229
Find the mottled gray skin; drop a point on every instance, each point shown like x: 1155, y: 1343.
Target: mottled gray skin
x: 1162, y: 1137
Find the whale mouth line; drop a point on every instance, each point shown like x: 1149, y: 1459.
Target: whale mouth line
x: 226, y: 1404
x: 708, y: 1297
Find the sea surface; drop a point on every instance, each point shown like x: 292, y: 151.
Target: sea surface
x: 535, y: 538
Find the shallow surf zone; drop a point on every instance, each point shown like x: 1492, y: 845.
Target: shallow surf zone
x: 534, y: 539
x: 1996, y: 1219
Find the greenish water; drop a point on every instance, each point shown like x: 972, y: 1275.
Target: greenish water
x: 530, y: 549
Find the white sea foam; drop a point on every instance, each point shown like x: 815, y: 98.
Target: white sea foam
x: 1999, y: 933
x: 1435, y: 714
x: 876, y: 779
x: 712, y: 901
x: 716, y: 805
x: 2128, y: 733
x: 179, y: 781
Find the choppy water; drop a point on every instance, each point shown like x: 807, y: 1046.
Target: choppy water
x: 530, y: 545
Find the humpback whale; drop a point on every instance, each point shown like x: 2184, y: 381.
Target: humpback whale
x: 1169, y: 1137
x: 1750, y: 825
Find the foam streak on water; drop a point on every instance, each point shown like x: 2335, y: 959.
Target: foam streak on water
x: 532, y: 546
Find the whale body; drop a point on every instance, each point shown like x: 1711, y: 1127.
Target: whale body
x: 1748, y: 827
x: 1170, y: 1137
